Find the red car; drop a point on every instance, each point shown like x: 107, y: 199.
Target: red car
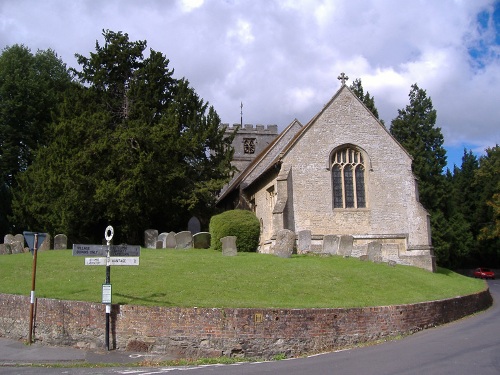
x: 484, y: 273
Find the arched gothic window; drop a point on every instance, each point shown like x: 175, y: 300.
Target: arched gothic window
x: 348, y: 178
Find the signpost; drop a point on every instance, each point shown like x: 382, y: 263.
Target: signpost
x: 32, y: 239
x: 108, y: 255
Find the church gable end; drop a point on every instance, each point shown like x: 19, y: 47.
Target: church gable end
x: 347, y: 185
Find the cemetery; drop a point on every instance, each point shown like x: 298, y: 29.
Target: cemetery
x: 258, y: 326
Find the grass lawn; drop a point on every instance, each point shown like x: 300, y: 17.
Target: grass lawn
x: 205, y: 278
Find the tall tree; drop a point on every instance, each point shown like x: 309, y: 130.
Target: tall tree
x: 136, y: 148
x: 31, y: 87
x: 369, y: 101
x: 488, y: 212
x: 415, y: 129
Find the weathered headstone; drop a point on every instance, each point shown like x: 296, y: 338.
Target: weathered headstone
x: 229, y: 246
x: 184, y: 240
x: 374, y: 252
x: 201, y: 240
x: 304, y: 242
x: 17, y: 247
x: 60, y: 242
x: 285, y: 243
x: 345, y: 246
x: 19, y: 238
x: 194, y: 225
x: 45, y: 245
x: 170, y: 242
x: 8, y: 248
x: 163, y: 237
x: 3, y: 249
x: 8, y: 238
x: 331, y: 244
x: 159, y: 245
x: 150, y: 238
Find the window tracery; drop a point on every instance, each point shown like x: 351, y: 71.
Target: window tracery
x: 348, y: 178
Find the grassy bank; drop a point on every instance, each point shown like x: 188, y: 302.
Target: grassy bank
x: 205, y: 278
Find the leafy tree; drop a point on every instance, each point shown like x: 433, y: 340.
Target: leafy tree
x: 367, y: 100
x: 415, y: 129
x: 488, y: 212
x: 31, y: 86
x: 136, y: 148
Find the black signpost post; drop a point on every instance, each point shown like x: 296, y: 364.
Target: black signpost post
x: 108, y: 255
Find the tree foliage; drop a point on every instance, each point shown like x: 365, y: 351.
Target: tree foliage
x: 136, y: 148
x: 31, y: 87
x: 368, y: 101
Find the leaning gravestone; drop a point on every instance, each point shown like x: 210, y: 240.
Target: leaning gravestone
x: 162, y: 237
x: 201, y: 240
x: 304, y: 242
x: 375, y: 252
x: 345, y: 246
x: 150, y: 238
x: 170, y: 242
x: 183, y: 240
x: 229, y: 246
x: 60, y: 242
x: 331, y: 244
x: 45, y: 245
x: 285, y: 243
x: 194, y: 225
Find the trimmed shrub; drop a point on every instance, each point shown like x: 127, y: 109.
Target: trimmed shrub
x: 240, y: 223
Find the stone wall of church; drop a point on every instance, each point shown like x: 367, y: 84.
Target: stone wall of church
x: 392, y: 206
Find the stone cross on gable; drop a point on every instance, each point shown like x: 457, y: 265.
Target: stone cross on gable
x: 342, y: 78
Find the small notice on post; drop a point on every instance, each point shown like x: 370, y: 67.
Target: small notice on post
x: 106, y: 294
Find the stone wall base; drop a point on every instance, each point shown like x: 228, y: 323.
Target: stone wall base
x: 233, y: 332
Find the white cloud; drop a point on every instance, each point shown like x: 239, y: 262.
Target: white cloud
x: 282, y: 58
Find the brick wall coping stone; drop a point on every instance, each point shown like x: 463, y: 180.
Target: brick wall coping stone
x: 210, y: 332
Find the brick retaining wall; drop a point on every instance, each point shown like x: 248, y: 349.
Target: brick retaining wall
x: 208, y: 332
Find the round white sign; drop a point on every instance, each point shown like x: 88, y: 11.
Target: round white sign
x: 108, y: 234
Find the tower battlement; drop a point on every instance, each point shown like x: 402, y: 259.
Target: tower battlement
x: 250, y: 128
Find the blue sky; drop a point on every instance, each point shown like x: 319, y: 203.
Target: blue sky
x: 282, y: 58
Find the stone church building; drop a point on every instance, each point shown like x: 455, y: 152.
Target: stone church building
x: 341, y: 183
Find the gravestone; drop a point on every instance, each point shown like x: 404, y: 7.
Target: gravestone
x: 163, y: 238
x: 374, y: 252
x: 285, y: 243
x: 45, y: 244
x: 3, y: 249
x: 201, y: 240
x: 17, y: 247
x: 159, y: 245
x: 8, y: 238
x: 345, y: 246
x: 150, y: 238
x: 184, y: 240
x: 304, y: 242
x: 194, y: 225
x: 19, y: 238
x: 170, y: 242
x: 8, y: 248
x: 229, y: 246
x: 331, y: 244
x: 60, y: 242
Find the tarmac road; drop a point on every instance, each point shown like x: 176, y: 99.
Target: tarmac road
x: 468, y: 346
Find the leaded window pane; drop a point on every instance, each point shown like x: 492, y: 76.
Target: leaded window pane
x: 360, y: 187
x: 337, y: 187
x: 349, y: 187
